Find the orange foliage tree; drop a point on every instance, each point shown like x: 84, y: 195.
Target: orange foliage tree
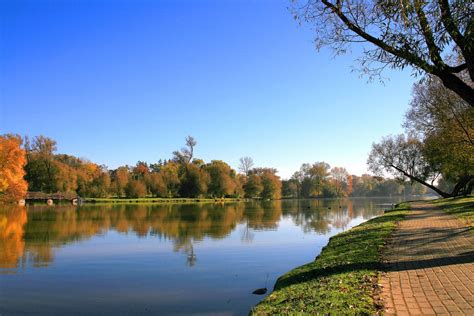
x: 13, y: 186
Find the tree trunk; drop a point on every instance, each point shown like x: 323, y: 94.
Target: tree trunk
x: 462, y: 183
x: 454, y: 83
x: 432, y: 187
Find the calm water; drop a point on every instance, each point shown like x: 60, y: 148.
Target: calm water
x: 161, y: 259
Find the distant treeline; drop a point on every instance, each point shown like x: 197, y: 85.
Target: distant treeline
x: 186, y: 176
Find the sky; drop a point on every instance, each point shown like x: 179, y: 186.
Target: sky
x: 120, y: 81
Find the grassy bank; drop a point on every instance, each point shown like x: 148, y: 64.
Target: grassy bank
x: 343, y: 278
x: 462, y: 208
x: 158, y: 200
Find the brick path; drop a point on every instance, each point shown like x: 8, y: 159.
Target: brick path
x: 430, y: 267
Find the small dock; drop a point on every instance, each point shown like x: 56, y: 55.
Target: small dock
x: 52, y: 198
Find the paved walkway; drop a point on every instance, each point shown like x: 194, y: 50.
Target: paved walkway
x: 430, y: 266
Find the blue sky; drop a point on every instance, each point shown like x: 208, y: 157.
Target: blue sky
x: 122, y: 81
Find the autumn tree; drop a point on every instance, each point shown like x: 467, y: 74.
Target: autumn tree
x: 222, y: 179
x: 13, y: 186
x: 140, y: 170
x: 120, y: 178
x: 156, y: 184
x: 170, y: 174
x: 340, y: 180
x: 397, y: 34
x: 313, y: 178
x: 135, y: 189
x: 271, y: 184
x: 253, y: 187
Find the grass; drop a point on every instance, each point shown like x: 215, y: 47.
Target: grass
x: 159, y: 200
x: 462, y: 208
x: 343, y: 279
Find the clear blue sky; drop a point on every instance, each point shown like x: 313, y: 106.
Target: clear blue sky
x: 122, y: 81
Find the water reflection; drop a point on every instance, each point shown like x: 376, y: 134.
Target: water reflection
x: 33, y: 234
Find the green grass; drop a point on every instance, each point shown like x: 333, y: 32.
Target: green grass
x: 343, y: 278
x: 462, y: 208
x: 159, y: 200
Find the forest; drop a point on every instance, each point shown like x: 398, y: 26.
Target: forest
x: 45, y: 170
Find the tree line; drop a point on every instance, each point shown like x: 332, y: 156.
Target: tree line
x: 183, y: 175
x: 39, y: 168
x: 319, y: 180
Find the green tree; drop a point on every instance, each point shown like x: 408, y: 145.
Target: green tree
x: 222, y: 179
x: 194, y: 181
x: 271, y: 185
x: 253, y: 187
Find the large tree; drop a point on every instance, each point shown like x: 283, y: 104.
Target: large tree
x: 12, y: 160
x: 400, y: 33
x: 403, y: 158
x: 445, y: 124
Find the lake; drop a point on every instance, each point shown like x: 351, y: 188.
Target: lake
x: 161, y: 259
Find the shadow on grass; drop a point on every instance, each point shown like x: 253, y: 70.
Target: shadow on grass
x: 467, y: 257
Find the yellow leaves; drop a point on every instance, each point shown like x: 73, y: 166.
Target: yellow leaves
x: 12, y: 160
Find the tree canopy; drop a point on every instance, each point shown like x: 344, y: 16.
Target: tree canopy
x: 396, y: 34
x: 13, y: 187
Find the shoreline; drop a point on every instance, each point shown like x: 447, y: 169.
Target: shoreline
x: 344, y: 278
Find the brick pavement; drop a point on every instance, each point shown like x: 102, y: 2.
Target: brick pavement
x: 430, y: 266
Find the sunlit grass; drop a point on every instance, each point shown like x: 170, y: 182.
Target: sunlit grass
x: 462, y: 208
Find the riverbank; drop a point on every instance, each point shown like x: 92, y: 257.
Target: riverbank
x: 344, y: 278
x: 159, y: 200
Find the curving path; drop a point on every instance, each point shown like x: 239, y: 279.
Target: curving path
x: 430, y: 266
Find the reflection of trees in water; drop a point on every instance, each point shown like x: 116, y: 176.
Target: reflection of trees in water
x: 12, y: 243
x: 32, y: 235
x: 322, y: 214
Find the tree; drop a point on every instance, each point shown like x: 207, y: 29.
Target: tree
x: 120, y: 178
x: 289, y: 188
x: 246, y: 164
x: 140, y: 170
x: 135, y: 189
x: 445, y: 124
x: 194, y: 181
x: 402, y: 157
x: 222, y: 179
x: 271, y: 185
x: 185, y: 155
x: 156, y: 184
x: 340, y: 180
x: 397, y: 34
x: 313, y: 178
x: 253, y: 187
x: 40, y: 168
x: 13, y: 186
x: 170, y: 174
